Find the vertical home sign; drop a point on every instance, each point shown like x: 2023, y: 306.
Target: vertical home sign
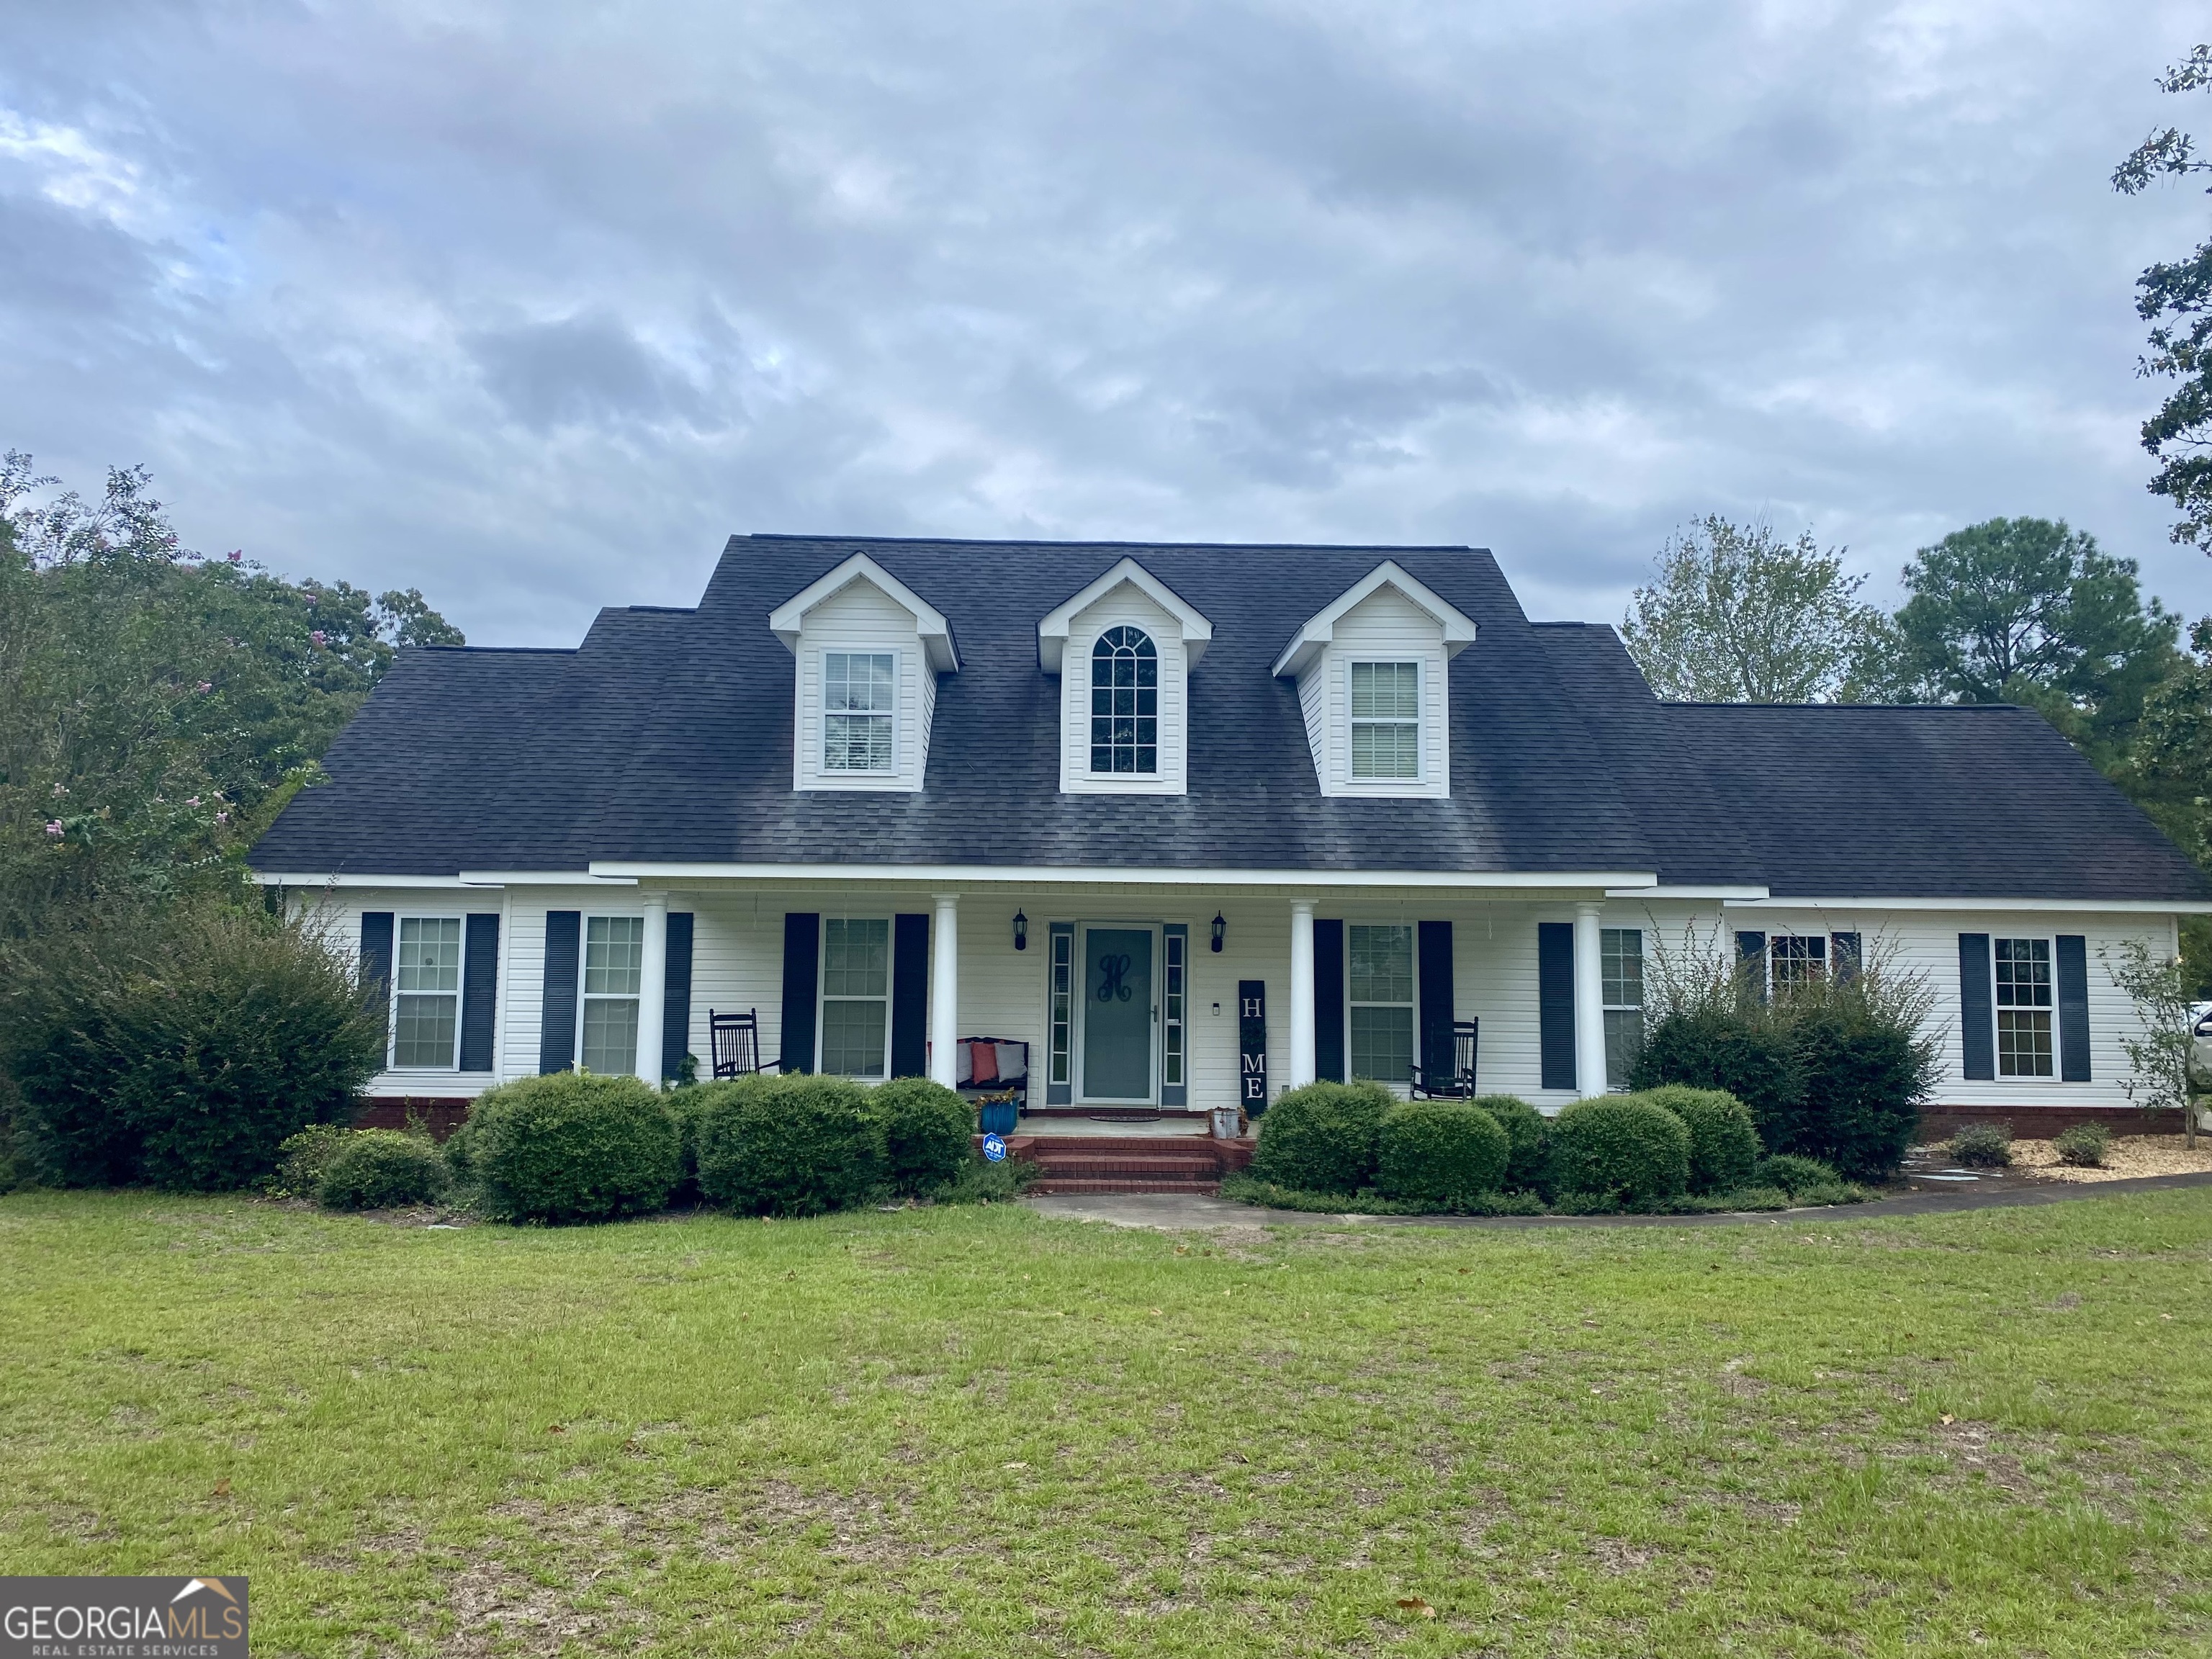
x: 1252, y: 1045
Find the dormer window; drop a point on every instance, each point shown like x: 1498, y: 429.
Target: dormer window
x: 1374, y: 674
x: 867, y: 652
x: 859, y: 697
x: 1125, y: 702
x: 1124, y: 649
x: 1386, y: 720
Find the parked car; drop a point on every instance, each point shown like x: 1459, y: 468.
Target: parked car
x: 2200, y: 1052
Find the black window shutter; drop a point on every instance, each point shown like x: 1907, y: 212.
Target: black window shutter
x: 1976, y: 1020
x: 2072, y: 965
x: 675, y: 1004
x: 1436, y: 1006
x: 1555, y: 1004
x: 1329, y: 1001
x: 479, y: 991
x: 910, y: 996
x: 556, y: 1027
x: 802, y: 962
x: 1751, y: 963
x: 376, y: 961
x: 1847, y: 957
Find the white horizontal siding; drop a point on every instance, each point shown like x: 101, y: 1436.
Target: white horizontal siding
x: 1384, y: 627
x: 1126, y: 606
x: 863, y: 617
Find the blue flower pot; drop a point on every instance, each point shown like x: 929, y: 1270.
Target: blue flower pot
x: 999, y: 1120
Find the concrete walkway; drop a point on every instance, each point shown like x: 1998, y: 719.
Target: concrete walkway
x: 1180, y: 1211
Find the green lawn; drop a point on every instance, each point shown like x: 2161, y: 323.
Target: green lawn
x: 979, y: 1431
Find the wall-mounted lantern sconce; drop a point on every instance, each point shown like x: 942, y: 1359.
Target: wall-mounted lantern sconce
x: 1022, y: 931
x: 1219, y: 927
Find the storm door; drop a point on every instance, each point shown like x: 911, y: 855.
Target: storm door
x: 1119, y: 1015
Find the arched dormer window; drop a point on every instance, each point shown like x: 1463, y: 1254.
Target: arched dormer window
x: 1125, y: 702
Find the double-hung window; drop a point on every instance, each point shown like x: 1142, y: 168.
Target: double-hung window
x: 426, y: 1014
x: 614, y: 970
x: 856, y: 995
x: 1386, y: 720
x: 1620, y: 964
x: 2023, y: 1044
x: 1380, y: 984
x: 858, y: 689
x: 1796, y: 959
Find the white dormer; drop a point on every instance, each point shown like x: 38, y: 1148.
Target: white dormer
x: 1374, y: 681
x: 869, y: 650
x: 1124, y: 649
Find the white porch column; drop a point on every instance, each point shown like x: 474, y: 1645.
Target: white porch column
x: 653, y: 988
x: 1589, y: 1002
x: 1302, y: 991
x: 944, y: 992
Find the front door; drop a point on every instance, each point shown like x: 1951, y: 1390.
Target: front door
x: 1117, y: 1015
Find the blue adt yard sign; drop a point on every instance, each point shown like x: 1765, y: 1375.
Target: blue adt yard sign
x: 994, y: 1149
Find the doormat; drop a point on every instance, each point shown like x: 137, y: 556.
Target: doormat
x: 1124, y: 1117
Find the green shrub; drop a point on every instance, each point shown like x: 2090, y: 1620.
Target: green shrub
x: 184, y: 1053
x: 980, y: 1181
x: 1794, y: 1173
x: 686, y: 1106
x: 1743, y: 1051
x: 1442, y: 1151
x: 570, y: 1147
x: 302, y: 1159
x: 790, y: 1145
x: 1322, y: 1138
x: 1528, y: 1135
x: 381, y: 1169
x: 1724, y: 1146
x: 1865, y: 1073
x: 2083, y: 1144
x: 1622, y: 1147
x: 928, y: 1133
x: 1983, y: 1147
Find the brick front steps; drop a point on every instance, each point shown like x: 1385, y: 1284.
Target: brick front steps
x: 1130, y: 1164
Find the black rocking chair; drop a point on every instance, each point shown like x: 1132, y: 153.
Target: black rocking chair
x: 1458, y: 1084
x: 735, y: 1042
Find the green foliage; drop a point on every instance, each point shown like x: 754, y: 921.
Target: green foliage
x: 302, y: 1159
x: 570, y: 1147
x: 790, y: 1145
x: 1724, y: 1146
x: 381, y: 1169
x: 981, y: 1182
x: 1622, y: 1147
x: 1738, y: 615
x: 1441, y: 1151
x: 1322, y: 1137
x: 928, y: 1133
x: 1866, y: 1071
x: 2170, y: 773
x: 1983, y: 1147
x: 1794, y: 1173
x: 185, y: 1053
x: 1727, y: 1046
x: 2083, y: 1144
x: 156, y: 709
x: 2029, y: 611
x: 1243, y: 1187
x: 1527, y: 1135
x: 2160, y: 1045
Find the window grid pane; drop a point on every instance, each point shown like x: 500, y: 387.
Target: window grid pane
x: 1797, y: 959
x: 853, y: 1038
x: 609, y: 1035
x: 1620, y: 964
x: 614, y: 956
x: 2023, y: 1042
x: 1382, y: 1043
x: 1172, y: 1016
x: 1624, y: 1041
x: 1382, y: 964
x: 2023, y: 973
x: 1380, y: 984
x: 1063, y: 955
x: 423, y: 1030
x: 856, y: 972
x: 429, y: 956
x: 1125, y: 702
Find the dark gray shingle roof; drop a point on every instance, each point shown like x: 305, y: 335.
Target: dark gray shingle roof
x: 667, y: 736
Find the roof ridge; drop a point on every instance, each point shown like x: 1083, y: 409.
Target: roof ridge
x: 1047, y: 541
x: 1884, y: 708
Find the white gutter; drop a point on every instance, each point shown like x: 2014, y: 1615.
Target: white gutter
x: 1726, y: 895
x: 2089, y: 906
x: 1039, y: 875
x: 465, y: 878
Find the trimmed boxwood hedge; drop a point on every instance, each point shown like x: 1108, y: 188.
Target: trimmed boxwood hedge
x: 1440, y: 1151
x: 570, y: 1147
x: 1621, y: 1147
x: 928, y: 1133
x: 1529, y: 1133
x: 790, y: 1145
x: 1322, y: 1137
x: 381, y: 1169
x: 1724, y: 1146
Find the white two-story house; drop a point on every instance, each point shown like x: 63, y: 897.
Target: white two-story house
x: 1196, y: 823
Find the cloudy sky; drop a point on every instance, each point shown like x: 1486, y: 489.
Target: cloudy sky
x: 530, y: 305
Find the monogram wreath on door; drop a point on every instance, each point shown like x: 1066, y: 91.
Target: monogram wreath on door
x: 1112, y: 973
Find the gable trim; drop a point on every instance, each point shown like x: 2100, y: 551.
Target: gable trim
x: 785, y: 620
x: 1053, y: 631
x: 1310, y: 640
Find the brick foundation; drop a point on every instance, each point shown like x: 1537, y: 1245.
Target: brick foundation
x: 2042, y: 1122
x: 441, y: 1116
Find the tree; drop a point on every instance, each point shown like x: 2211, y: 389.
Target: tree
x: 2169, y: 773
x: 1738, y: 615
x: 2165, y: 1019
x: 2176, y: 299
x: 2029, y: 611
x: 157, y: 708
